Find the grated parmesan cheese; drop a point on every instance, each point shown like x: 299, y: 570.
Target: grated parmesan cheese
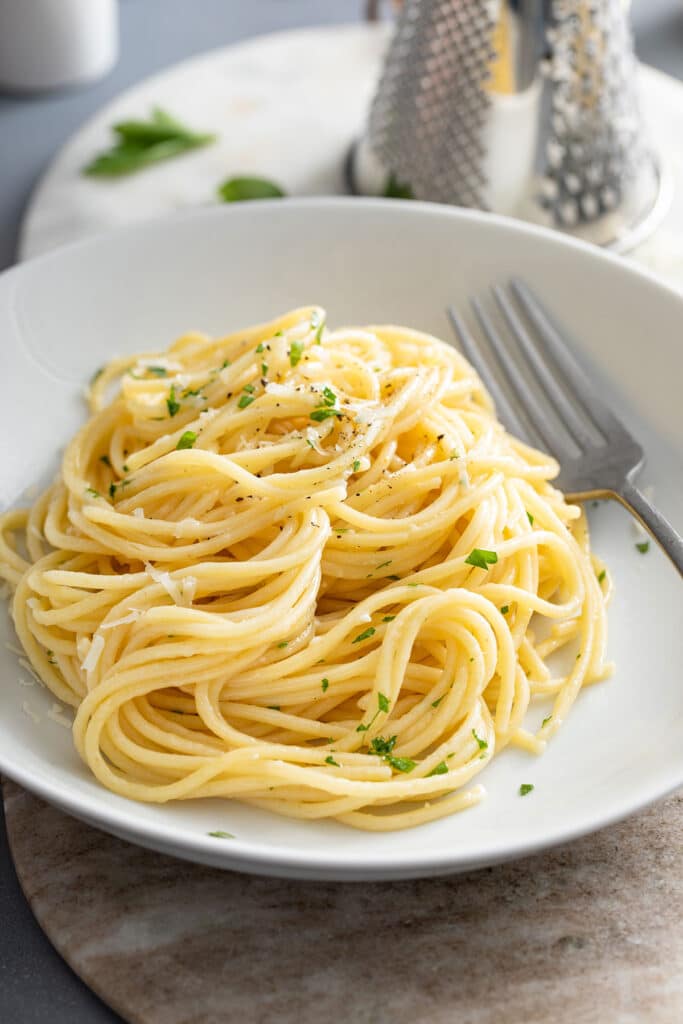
x: 58, y: 714
x: 133, y: 616
x: 93, y: 655
x: 139, y: 513
x: 28, y: 710
x: 164, y: 580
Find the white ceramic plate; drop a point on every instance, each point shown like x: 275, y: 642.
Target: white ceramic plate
x: 61, y: 316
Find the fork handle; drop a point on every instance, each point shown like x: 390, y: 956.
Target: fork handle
x: 654, y: 522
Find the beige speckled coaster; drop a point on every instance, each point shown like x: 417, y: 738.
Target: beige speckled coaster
x: 591, y: 932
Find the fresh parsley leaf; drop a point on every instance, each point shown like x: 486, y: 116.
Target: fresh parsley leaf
x: 93, y: 492
x: 482, y: 744
x: 106, y: 460
x: 249, y: 388
x: 481, y: 558
x: 264, y: 369
x: 441, y: 769
x: 505, y: 609
x: 171, y: 402
x: 530, y: 518
x: 283, y: 643
x: 239, y: 189
x: 388, y: 618
x: 221, y: 835
x: 393, y: 577
x: 244, y: 401
x: 643, y: 547
x: 157, y: 371
x: 141, y: 143
x: 273, y: 707
x: 186, y: 440
x: 296, y: 350
x: 112, y: 490
x: 325, y: 683
x: 331, y: 760
x: 383, y: 702
x: 329, y: 397
x: 546, y: 720
x: 383, y: 565
x: 601, y: 576
x: 395, y: 189
x: 435, y: 703
x: 260, y: 347
x: 525, y: 788
x: 365, y: 635
x: 356, y: 467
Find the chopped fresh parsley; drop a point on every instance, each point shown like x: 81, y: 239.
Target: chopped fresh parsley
x: 325, y: 683
x: 382, y: 747
x: 365, y: 635
x: 383, y: 565
x: 383, y: 702
x: 525, y: 788
x: 273, y: 707
x: 441, y: 769
x: 93, y: 492
x: 245, y: 400
x: 317, y: 324
x: 530, y: 518
x: 264, y: 369
x: 601, y: 575
x: 643, y: 547
x: 112, y: 490
x: 331, y: 760
x: 187, y: 440
x: 482, y: 744
x: 283, y: 643
x: 401, y: 764
x: 106, y: 460
x: 237, y: 190
x: 221, y: 835
x: 505, y: 609
x: 260, y: 347
x: 324, y: 414
x: 172, y: 404
x: 296, y: 351
x: 546, y: 720
x: 249, y: 388
x: 329, y: 397
x: 481, y: 558
x: 388, y: 618
x: 356, y: 467
x: 435, y: 703
x: 393, y: 577
x: 158, y: 371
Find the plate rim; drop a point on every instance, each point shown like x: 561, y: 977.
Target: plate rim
x: 285, y: 860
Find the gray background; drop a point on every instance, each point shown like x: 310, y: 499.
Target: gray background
x: 35, y: 984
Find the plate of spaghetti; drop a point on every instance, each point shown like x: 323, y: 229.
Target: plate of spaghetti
x: 284, y: 595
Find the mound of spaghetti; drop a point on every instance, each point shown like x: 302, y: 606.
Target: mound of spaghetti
x: 298, y: 567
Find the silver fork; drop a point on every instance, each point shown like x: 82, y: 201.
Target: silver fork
x: 564, y: 414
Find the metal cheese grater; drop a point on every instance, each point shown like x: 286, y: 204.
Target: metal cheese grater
x: 523, y: 107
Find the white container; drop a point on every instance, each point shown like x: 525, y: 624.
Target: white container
x: 47, y: 44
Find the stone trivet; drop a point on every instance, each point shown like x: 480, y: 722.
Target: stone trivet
x: 589, y: 933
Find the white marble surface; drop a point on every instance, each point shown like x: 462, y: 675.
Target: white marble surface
x: 295, y: 129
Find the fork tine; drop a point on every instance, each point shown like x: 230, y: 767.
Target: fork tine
x: 577, y: 378
x: 565, y: 410
x: 505, y: 411
x: 551, y: 435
